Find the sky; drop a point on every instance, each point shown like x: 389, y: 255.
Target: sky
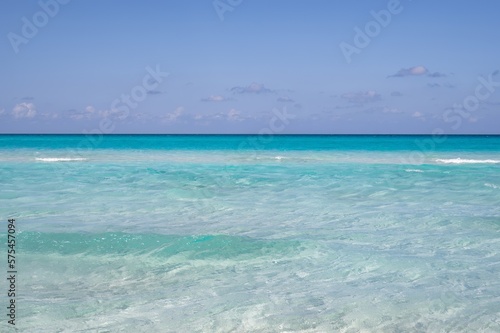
x: 250, y: 66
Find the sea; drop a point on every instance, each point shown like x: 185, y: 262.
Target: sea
x: 251, y: 233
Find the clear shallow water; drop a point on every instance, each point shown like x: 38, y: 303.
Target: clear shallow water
x: 216, y: 233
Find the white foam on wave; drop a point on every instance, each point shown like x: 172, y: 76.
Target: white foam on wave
x: 413, y: 170
x: 491, y: 185
x: 60, y: 159
x: 464, y: 161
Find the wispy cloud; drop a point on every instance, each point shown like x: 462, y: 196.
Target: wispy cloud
x: 438, y: 85
x: 418, y: 115
x: 437, y: 74
x: 361, y: 97
x: 24, y: 110
x: 396, y: 94
x: 234, y: 115
x: 215, y: 98
x: 417, y: 71
x: 387, y: 109
x: 154, y: 92
x: 285, y: 99
x: 412, y: 71
x: 342, y: 107
x: 91, y: 113
x: 253, y: 88
x: 88, y: 113
x: 173, y: 116
x: 383, y: 109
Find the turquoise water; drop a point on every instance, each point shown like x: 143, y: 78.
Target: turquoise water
x: 254, y: 233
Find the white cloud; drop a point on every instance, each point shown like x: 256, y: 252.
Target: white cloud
x: 214, y: 98
x: 230, y: 115
x: 253, y: 88
x: 417, y: 71
x: 234, y: 115
x: 88, y: 113
x: 361, y: 97
x: 412, y: 71
x: 172, y: 116
x: 418, y: 115
x: 117, y: 114
x: 24, y: 110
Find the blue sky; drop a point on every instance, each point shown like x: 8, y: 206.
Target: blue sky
x: 249, y: 66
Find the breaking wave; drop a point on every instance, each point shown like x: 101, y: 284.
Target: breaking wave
x: 60, y: 159
x: 465, y: 161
